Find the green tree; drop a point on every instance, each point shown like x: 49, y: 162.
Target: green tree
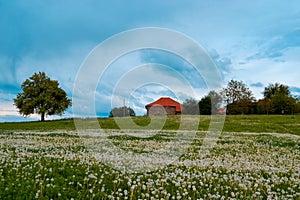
x: 205, y: 105
x: 190, y: 107
x: 297, y: 109
x: 122, y: 112
x: 41, y: 95
x: 238, y: 97
x: 263, y: 106
x: 297, y: 106
x: 274, y: 89
x: 279, y: 98
x: 283, y: 104
x: 210, y: 103
x: 216, y: 101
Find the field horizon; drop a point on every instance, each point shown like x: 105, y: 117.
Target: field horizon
x: 233, y: 123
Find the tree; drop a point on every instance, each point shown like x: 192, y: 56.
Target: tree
x: 297, y: 109
x: 279, y: 98
x: 205, y: 105
x: 274, y: 89
x: 122, y: 112
x: 41, y: 95
x: 283, y: 104
x: 263, y: 106
x: 238, y: 97
x: 237, y: 91
x: 190, y: 107
x: 209, y: 104
x: 216, y: 101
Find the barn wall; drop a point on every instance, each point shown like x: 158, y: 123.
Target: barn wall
x: 160, y: 110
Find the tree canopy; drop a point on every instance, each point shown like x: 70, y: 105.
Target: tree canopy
x: 41, y: 95
x: 278, y: 100
x: 276, y: 88
x: 237, y: 91
x: 190, y: 107
x: 205, y: 105
x: 122, y: 112
x: 210, y: 103
x: 238, y: 97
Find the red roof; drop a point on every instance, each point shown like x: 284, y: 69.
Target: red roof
x: 165, y: 101
x: 221, y: 111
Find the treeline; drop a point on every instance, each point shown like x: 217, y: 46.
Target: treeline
x: 237, y: 98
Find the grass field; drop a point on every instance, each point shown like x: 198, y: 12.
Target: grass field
x: 233, y: 123
x: 50, y: 160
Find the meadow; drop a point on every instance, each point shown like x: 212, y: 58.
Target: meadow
x: 233, y: 123
x: 256, y: 157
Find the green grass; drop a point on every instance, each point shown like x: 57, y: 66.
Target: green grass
x: 65, y: 124
x: 263, y: 123
x: 233, y: 123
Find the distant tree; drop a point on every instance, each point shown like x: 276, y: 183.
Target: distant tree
x: 297, y: 109
x: 205, y: 105
x: 210, y: 103
x: 263, y: 106
x: 216, y: 101
x: 238, y: 97
x: 279, y: 99
x: 274, y: 89
x: 297, y: 106
x: 242, y: 107
x: 41, y: 95
x: 282, y: 104
x: 237, y: 91
x: 190, y: 107
x: 122, y: 112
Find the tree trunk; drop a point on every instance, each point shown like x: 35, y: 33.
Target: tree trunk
x: 43, y: 117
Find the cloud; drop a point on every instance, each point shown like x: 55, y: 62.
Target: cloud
x: 181, y: 66
x: 9, y: 113
x: 276, y: 47
x: 45, y: 27
x: 257, y: 84
x: 224, y: 64
x: 295, y: 90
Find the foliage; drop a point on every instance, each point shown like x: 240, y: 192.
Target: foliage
x: 297, y: 109
x: 277, y: 100
x: 209, y: 104
x: 274, y: 89
x: 190, y: 107
x: 216, y: 100
x: 205, y: 105
x: 122, y: 112
x: 237, y: 91
x: 41, y: 95
x: 242, y: 107
x: 282, y: 104
x: 263, y: 106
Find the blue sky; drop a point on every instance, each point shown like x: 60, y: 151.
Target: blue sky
x: 254, y: 41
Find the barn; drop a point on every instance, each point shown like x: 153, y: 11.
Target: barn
x: 164, y: 105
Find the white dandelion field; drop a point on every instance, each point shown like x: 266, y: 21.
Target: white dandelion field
x: 58, y: 165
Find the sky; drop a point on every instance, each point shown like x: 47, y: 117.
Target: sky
x: 257, y: 42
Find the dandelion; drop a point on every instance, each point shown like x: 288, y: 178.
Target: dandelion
x: 92, y: 176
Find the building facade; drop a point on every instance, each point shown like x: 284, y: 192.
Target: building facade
x: 164, y: 106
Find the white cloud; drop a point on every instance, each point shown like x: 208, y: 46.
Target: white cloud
x: 8, y: 112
